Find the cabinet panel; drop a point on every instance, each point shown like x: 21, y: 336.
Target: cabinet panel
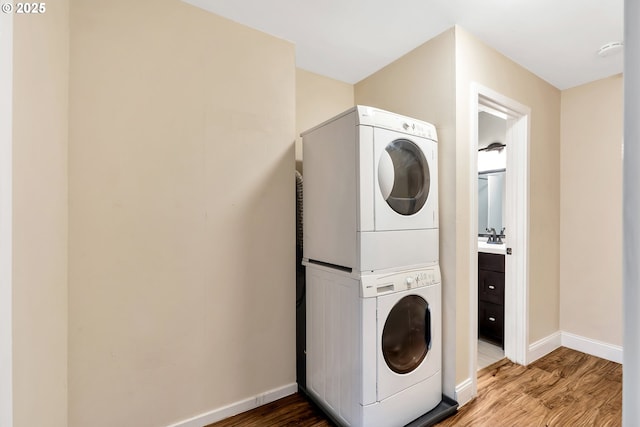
x: 491, y: 262
x: 491, y: 286
x: 491, y: 322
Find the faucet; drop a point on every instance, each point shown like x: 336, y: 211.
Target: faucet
x: 501, y: 235
x: 492, y: 235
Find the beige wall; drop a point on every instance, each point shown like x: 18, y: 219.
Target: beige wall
x: 40, y: 117
x: 421, y: 84
x: 591, y: 214
x: 318, y: 98
x: 181, y: 239
x: 476, y: 62
x: 434, y: 83
x: 6, y: 208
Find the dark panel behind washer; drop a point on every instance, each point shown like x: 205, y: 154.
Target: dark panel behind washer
x: 301, y: 310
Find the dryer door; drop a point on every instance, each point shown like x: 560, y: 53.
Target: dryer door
x: 406, y: 191
x: 409, y: 340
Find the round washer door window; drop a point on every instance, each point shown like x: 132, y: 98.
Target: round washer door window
x: 403, y: 176
x: 406, y: 337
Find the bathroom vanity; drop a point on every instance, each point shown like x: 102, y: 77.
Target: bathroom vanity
x: 491, y: 297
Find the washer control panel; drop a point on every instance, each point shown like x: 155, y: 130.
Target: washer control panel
x: 374, y: 285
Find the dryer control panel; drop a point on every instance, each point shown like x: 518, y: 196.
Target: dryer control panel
x: 382, y: 284
x: 370, y: 116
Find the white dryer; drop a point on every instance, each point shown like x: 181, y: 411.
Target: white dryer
x: 374, y: 350
x: 371, y: 191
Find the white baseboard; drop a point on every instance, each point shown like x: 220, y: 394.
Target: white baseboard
x: 464, y: 392
x: 593, y: 347
x: 544, y: 346
x: 590, y: 346
x: 238, y: 407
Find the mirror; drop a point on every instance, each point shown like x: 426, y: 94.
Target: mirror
x: 491, y: 190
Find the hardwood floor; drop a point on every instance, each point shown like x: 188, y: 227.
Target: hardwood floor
x: 290, y: 411
x: 564, y: 388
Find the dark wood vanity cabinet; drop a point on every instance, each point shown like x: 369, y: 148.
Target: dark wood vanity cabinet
x: 491, y: 297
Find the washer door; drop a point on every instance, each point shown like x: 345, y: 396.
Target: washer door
x: 409, y: 340
x: 406, y: 177
x: 406, y: 336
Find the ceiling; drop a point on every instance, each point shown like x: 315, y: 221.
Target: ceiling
x: 348, y: 40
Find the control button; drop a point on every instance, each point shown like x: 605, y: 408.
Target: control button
x: 405, y: 125
x: 409, y: 281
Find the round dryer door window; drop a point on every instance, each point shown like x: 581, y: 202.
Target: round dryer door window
x: 406, y: 337
x: 403, y: 177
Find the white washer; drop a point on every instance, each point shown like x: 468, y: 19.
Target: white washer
x: 374, y: 349
x: 408, y: 328
x: 371, y: 191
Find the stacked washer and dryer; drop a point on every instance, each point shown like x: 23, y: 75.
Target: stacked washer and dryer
x: 373, y: 292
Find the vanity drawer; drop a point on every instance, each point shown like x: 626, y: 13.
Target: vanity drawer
x: 491, y: 286
x: 492, y: 262
x: 491, y: 322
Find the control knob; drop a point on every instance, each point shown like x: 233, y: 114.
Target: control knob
x: 409, y: 281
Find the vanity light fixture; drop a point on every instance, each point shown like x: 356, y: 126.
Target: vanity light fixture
x: 494, y: 146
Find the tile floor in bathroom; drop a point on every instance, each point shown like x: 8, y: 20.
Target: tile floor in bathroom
x: 488, y: 354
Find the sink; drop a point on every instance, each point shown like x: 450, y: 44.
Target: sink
x: 491, y: 248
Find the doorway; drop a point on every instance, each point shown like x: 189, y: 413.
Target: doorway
x: 516, y: 224
x: 492, y: 237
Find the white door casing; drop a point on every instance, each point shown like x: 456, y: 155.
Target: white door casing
x: 516, y: 316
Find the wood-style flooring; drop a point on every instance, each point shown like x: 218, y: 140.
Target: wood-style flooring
x: 564, y: 388
x: 290, y: 411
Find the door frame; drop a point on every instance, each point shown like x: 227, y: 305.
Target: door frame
x: 516, y: 319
